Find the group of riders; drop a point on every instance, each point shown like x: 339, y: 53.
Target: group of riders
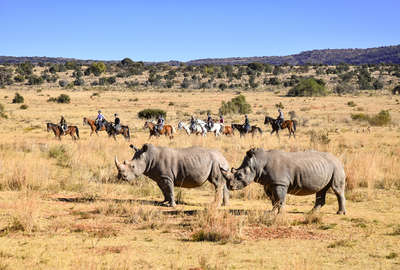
x: 100, y: 122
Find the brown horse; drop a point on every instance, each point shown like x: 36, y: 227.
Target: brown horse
x: 92, y: 124
x: 58, y: 132
x: 289, y: 124
x: 228, y: 130
x: 167, y: 130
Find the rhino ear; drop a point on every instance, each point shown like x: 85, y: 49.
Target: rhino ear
x: 250, y: 153
x: 145, y: 147
x: 133, y: 147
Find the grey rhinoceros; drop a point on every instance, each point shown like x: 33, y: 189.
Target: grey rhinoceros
x: 169, y: 167
x: 297, y: 173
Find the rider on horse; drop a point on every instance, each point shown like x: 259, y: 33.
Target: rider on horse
x: 99, y: 120
x: 160, y: 123
x: 280, y: 119
x: 117, y: 122
x: 192, y: 123
x: 210, y: 121
x: 63, y: 125
x: 246, y: 125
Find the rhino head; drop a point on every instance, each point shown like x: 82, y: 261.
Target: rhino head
x: 131, y: 169
x: 244, y: 175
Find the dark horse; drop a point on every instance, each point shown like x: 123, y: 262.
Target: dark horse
x: 58, y: 132
x: 289, y: 124
x: 253, y: 129
x: 112, y: 131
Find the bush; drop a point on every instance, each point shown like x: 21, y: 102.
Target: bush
x: 151, y: 113
x: 19, y: 78
x: 63, y: 98
x: 79, y: 82
x: 222, y: 86
x: 307, y: 88
x: 343, y: 87
x: 2, y: 112
x: 62, y: 83
x: 97, y: 68
x: 18, y: 98
x: 383, y: 118
x: 23, y: 107
x: 236, y: 105
x: 35, y: 80
x: 351, y: 104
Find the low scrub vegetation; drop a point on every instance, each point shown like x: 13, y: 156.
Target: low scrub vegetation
x: 18, y: 98
x: 383, y: 118
x: 308, y: 88
x: 63, y: 98
x: 151, y: 113
x: 237, y: 105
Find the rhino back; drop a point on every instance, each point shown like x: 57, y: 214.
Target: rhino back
x: 303, y: 173
x: 188, y: 167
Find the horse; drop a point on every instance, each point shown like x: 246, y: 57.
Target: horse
x: 253, y: 129
x: 58, y: 132
x: 228, y: 130
x: 289, y: 124
x: 92, y: 124
x: 216, y: 128
x: 112, y: 131
x: 197, y: 128
x: 167, y: 130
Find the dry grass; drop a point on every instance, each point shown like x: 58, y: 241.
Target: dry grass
x: 58, y: 195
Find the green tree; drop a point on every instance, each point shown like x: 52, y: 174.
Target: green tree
x: 307, y: 87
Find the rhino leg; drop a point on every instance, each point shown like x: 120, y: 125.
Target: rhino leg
x: 279, y: 195
x: 339, y: 192
x: 167, y: 187
x: 320, y: 198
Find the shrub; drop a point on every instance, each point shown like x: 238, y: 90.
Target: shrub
x: 35, y: 80
x: 151, y: 113
x: 236, y: 105
x: 308, y: 87
x: 62, y: 83
x: 63, y: 98
x: 222, y: 86
x: 23, y: 107
x: 351, y: 104
x: 97, y: 68
x: 79, y: 82
x: 18, y: 98
x: 343, y: 87
x: 383, y: 118
x: 2, y: 112
x: 396, y: 90
x: 19, y: 78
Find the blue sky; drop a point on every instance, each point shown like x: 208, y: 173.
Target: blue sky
x: 185, y: 30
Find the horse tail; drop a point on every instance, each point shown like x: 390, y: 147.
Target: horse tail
x: 128, y: 134
x: 294, y: 125
x: 77, y: 132
x: 260, y: 130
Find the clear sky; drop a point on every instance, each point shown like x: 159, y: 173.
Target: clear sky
x: 185, y: 30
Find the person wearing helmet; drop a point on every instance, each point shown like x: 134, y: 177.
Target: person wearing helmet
x: 246, y: 124
x: 280, y: 119
x: 210, y: 121
x: 160, y: 123
x: 117, y: 123
x: 192, y: 123
x: 63, y: 125
x: 99, y: 120
x: 221, y: 119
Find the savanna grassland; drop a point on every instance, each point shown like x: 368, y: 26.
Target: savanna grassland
x: 62, y: 207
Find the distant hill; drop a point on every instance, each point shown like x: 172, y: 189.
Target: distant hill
x: 387, y: 54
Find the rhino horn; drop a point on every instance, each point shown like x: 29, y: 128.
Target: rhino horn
x: 117, y: 162
x: 134, y: 147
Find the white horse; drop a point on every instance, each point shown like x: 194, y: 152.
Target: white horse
x: 198, y: 129
x: 216, y: 128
